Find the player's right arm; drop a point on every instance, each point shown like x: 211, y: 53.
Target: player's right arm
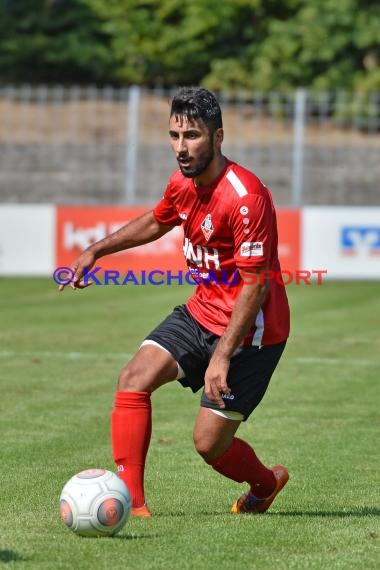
x: 139, y: 231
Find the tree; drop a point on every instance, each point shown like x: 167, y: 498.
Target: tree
x: 52, y: 41
x: 325, y: 45
x: 224, y: 44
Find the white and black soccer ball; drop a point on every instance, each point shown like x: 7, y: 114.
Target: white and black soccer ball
x: 95, y: 502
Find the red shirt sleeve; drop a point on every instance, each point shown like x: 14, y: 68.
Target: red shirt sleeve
x: 252, y: 221
x: 165, y: 211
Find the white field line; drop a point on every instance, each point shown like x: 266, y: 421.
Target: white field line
x: 65, y: 355
x: 124, y: 356
x: 335, y: 361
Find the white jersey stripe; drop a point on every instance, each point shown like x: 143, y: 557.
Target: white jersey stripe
x: 237, y: 183
x: 259, y: 333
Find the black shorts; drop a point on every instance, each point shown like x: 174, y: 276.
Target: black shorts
x: 192, y: 345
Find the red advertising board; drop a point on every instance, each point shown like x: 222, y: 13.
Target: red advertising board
x: 77, y: 227
x: 289, y: 239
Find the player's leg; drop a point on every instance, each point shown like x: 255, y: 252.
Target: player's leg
x: 215, y: 441
x: 167, y: 352
x: 131, y: 421
x: 249, y: 375
x: 151, y: 367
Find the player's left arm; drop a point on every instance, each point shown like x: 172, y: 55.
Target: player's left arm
x: 247, y: 306
x: 251, y: 221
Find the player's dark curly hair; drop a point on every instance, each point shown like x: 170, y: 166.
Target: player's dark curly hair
x: 197, y: 103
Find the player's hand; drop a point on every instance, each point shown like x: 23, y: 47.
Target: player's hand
x: 216, y: 380
x: 84, y: 262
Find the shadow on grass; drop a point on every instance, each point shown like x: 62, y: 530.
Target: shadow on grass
x: 133, y: 536
x: 359, y: 512
x: 10, y: 556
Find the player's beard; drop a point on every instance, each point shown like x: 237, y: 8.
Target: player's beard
x: 202, y: 163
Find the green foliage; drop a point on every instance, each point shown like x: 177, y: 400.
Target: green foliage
x: 224, y: 44
x: 52, y: 41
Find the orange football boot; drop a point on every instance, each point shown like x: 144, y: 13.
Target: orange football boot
x: 143, y: 511
x: 248, y: 503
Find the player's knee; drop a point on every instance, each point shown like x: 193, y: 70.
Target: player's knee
x: 127, y: 381
x: 133, y: 380
x: 207, y: 449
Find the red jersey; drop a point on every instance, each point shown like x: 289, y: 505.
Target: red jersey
x: 228, y: 225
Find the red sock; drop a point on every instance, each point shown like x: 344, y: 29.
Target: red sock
x: 240, y: 463
x: 131, y: 428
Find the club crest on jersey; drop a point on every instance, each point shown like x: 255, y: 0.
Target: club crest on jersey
x: 207, y: 227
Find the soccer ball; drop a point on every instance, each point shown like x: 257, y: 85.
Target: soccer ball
x: 95, y: 502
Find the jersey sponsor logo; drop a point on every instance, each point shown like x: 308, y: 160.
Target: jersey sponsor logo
x: 201, y: 256
x: 199, y: 276
x: 251, y: 249
x: 360, y: 240
x: 207, y: 227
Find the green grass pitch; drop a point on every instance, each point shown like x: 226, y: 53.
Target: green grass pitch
x: 60, y: 355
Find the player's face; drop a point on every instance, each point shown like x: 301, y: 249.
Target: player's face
x: 193, y: 145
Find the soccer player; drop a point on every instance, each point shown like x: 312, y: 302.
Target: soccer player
x: 229, y: 336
